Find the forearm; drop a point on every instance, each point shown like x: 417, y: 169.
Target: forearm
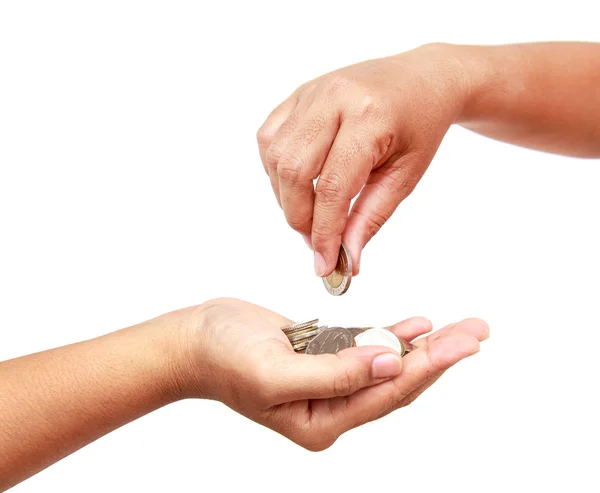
x: 55, y: 402
x: 544, y: 96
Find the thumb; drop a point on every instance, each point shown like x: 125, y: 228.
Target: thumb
x: 323, y: 376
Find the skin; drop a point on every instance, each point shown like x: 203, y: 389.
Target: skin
x: 369, y: 131
x: 57, y: 401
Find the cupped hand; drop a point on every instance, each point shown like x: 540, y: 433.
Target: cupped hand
x: 235, y: 352
x: 371, y: 130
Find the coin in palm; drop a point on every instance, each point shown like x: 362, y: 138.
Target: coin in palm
x: 330, y: 341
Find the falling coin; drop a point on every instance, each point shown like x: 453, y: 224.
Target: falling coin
x: 338, y: 282
x: 379, y: 336
x: 330, y: 341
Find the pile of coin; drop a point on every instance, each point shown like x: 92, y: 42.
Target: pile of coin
x: 310, y: 338
x: 301, y: 334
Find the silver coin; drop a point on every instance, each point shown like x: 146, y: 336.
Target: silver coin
x: 330, y: 341
x: 357, y: 330
x: 408, y: 346
x: 379, y: 336
x: 300, y: 332
x: 304, y: 335
x: 303, y: 325
x: 338, y: 282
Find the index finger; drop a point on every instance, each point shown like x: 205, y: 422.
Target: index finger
x: 346, y: 169
x: 268, y: 130
x: 301, y: 163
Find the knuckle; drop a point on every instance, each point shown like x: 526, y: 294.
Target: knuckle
x: 383, y: 141
x: 336, y: 83
x: 272, y: 157
x: 375, y: 222
x: 265, y: 135
x: 325, y: 229
x: 298, y: 221
x: 400, y: 393
x: 390, y: 403
x: 401, y: 181
x: 289, y: 168
x: 368, y: 106
x: 407, y: 184
x: 329, y: 188
x: 345, y: 382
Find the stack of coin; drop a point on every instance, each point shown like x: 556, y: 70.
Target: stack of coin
x: 309, y: 338
x: 301, y: 334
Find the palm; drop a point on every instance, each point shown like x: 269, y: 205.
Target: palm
x: 271, y: 384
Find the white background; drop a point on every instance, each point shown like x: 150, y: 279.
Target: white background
x: 131, y: 185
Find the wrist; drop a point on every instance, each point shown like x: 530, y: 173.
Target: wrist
x: 488, y: 74
x: 469, y: 74
x: 156, y: 350
x: 446, y: 75
x: 184, y: 341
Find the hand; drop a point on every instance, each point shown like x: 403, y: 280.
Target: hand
x: 235, y: 352
x: 371, y: 128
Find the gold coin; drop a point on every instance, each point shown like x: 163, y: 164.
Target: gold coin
x: 338, y: 282
x: 300, y: 347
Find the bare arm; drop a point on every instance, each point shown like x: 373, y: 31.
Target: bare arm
x: 544, y: 96
x: 55, y: 402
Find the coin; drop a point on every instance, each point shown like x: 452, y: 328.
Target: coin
x: 357, y: 330
x: 379, y: 336
x: 408, y: 346
x: 303, y: 325
x: 304, y: 335
x: 338, y: 282
x: 330, y: 341
x: 300, y: 347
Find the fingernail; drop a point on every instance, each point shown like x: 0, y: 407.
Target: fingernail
x: 386, y: 365
x: 307, y: 240
x: 320, y: 265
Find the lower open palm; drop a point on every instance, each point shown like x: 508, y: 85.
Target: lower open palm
x: 249, y: 365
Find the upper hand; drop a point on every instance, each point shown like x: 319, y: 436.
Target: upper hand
x: 371, y: 128
x: 236, y: 352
